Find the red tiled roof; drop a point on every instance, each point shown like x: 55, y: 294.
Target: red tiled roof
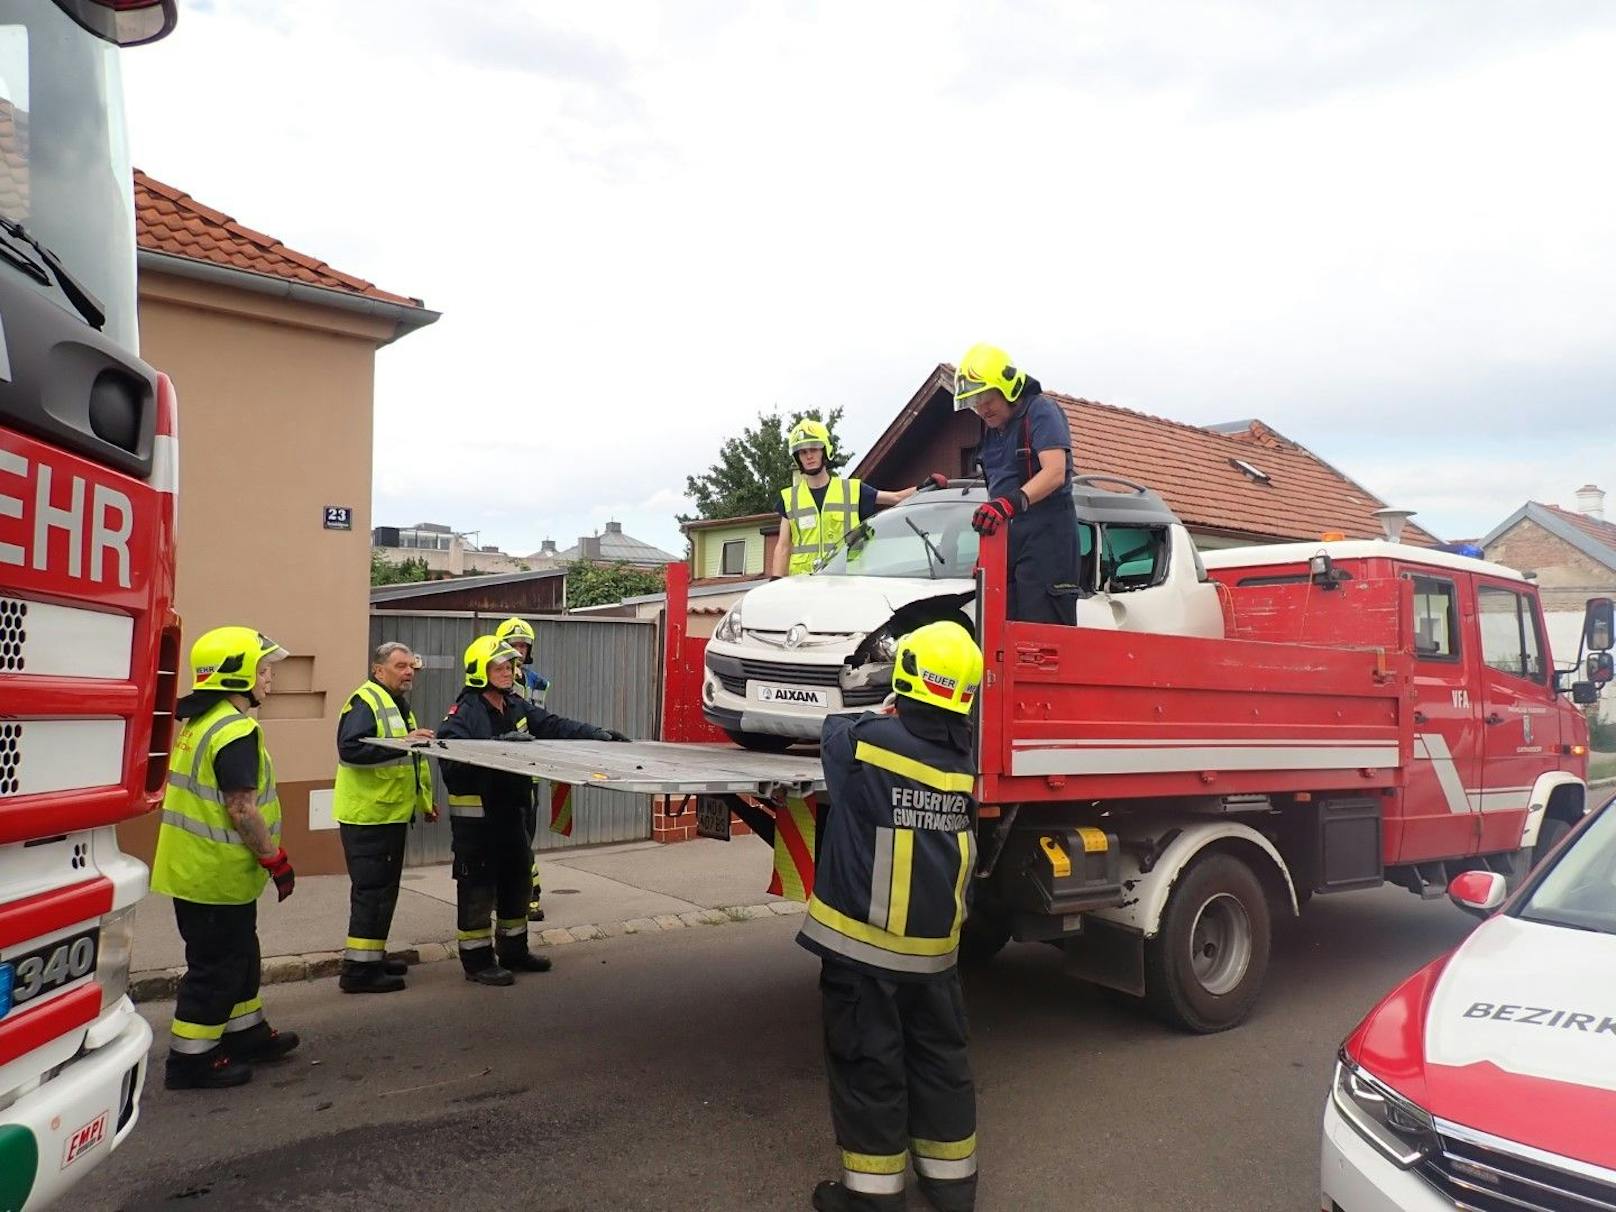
x: 1597, y: 529
x: 168, y: 220
x: 1193, y: 468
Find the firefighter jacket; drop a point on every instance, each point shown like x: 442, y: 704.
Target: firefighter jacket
x: 378, y: 786
x: 896, y: 847
x: 476, y: 790
x: 200, y: 856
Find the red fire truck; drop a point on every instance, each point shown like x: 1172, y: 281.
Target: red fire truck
x: 89, y: 644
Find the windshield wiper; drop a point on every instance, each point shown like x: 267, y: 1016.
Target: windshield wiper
x: 931, y: 549
x: 86, y: 304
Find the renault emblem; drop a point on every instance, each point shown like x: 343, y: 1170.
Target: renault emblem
x: 796, y: 635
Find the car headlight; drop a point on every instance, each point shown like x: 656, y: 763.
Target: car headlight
x: 1400, y: 1131
x: 884, y: 648
x: 729, y: 627
x: 112, y: 959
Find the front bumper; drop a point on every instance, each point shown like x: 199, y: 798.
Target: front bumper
x: 101, y: 1087
x: 1355, y: 1178
x: 731, y: 684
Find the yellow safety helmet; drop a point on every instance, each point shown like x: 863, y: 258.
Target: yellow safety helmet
x: 227, y: 659
x: 984, y: 368
x: 482, y: 652
x: 809, y: 432
x: 514, y: 629
x: 939, y: 664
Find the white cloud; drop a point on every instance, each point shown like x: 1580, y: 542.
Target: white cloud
x: 1373, y: 225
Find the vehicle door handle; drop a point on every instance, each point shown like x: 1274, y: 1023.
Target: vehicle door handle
x: 1495, y: 718
x: 1419, y: 717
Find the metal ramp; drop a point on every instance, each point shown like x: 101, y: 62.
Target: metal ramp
x: 646, y: 767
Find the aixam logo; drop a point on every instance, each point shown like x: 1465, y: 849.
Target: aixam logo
x: 1543, y: 1016
x: 787, y: 694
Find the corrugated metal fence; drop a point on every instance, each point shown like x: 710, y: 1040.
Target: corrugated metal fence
x: 601, y: 670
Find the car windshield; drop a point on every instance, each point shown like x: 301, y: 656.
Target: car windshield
x: 934, y: 540
x: 64, y: 162
x: 1580, y: 890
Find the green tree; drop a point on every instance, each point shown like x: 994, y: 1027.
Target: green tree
x: 599, y: 584
x: 384, y: 572
x: 753, y: 468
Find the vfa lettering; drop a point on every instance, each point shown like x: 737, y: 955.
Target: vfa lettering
x: 1461, y: 700
x: 65, y: 520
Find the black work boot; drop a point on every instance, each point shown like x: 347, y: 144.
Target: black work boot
x: 259, y: 1044
x: 525, y: 961
x: 535, y: 911
x: 212, y: 1070
x: 491, y: 975
x: 370, y: 978
x: 394, y: 967
x: 831, y: 1196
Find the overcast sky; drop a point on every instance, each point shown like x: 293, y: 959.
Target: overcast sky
x: 1387, y: 229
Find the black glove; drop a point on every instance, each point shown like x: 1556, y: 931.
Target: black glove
x: 935, y: 480
x: 280, y: 870
x: 609, y: 734
x: 515, y: 734
x: 988, y: 518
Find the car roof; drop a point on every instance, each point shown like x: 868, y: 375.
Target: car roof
x: 1129, y: 504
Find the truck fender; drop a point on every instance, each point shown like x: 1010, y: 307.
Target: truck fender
x: 1536, y: 807
x: 1145, y: 893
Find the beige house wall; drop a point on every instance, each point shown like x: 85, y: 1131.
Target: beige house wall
x: 275, y: 408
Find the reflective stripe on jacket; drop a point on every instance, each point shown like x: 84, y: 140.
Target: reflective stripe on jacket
x: 388, y: 792
x: 815, y: 531
x: 200, y: 856
x: 897, y: 844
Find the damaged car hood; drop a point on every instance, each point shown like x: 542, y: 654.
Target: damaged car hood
x: 839, y: 605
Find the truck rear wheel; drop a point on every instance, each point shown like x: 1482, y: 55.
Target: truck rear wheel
x: 984, y: 934
x: 1203, y: 971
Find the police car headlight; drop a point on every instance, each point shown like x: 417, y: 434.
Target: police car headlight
x: 115, y: 949
x: 1399, y: 1130
x: 729, y: 627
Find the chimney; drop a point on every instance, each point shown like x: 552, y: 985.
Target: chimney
x: 1591, y: 501
x: 589, y: 546
x: 614, y: 528
x: 548, y: 547
x: 1392, y: 522
x: 457, y: 557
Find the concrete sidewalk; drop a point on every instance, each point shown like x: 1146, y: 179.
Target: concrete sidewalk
x: 588, y: 893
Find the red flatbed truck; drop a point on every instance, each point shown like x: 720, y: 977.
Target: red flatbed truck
x: 1150, y: 803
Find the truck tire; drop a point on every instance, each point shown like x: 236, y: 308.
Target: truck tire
x: 984, y: 934
x: 1548, y: 837
x: 1203, y: 971
x: 761, y: 742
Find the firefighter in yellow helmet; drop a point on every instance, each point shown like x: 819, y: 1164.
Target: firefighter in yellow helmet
x: 817, y: 509
x: 218, y: 844
x: 897, y: 845
x: 533, y: 687
x: 492, y: 851
x: 1026, y: 456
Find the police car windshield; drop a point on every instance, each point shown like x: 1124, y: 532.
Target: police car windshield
x: 895, y: 543
x: 1580, y: 890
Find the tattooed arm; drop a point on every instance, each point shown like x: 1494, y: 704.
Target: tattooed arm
x: 242, y: 808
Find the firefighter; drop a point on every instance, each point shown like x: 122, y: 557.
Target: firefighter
x: 896, y: 848
x: 1026, y: 456
x: 378, y: 793
x: 217, y: 845
x: 817, y: 509
x: 531, y: 686
x: 492, y: 853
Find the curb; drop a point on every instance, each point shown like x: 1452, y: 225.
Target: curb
x: 159, y: 984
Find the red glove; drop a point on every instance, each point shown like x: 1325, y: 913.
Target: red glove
x: 935, y: 480
x: 280, y: 870
x: 988, y: 518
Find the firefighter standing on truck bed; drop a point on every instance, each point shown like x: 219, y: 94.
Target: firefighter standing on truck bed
x: 818, y: 509
x: 1026, y: 457
x: 492, y: 855
x: 378, y: 793
x: 530, y: 686
x: 217, y: 845
x: 896, y: 847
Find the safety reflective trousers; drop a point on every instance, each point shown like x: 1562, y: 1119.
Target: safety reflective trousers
x: 816, y: 530
x: 387, y: 792
x: 218, y: 995
x: 200, y: 855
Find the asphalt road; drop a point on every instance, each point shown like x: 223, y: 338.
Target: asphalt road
x: 682, y: 1071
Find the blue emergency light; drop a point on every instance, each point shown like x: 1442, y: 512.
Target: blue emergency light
x: 1463, y: 549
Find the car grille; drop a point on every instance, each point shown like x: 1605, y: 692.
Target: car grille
x: 791, y: 674
x: 1487, y: 1179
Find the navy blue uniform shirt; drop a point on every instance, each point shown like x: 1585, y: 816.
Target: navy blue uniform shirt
x: 1035, y: 424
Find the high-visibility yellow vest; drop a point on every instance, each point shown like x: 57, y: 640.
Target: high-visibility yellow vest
x: 382, y: 793
x: 200, y: 856
x: 815, y: 532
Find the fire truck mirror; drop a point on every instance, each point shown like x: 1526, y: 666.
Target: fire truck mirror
x: 1601, y: 667
x: 1599, y: 624
x: 1584, y: 694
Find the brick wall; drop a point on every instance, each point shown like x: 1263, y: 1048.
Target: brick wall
x: 1566, y: 577
x: 670, y: 824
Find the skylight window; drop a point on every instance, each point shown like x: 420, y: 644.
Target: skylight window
x: 1256, y: 474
